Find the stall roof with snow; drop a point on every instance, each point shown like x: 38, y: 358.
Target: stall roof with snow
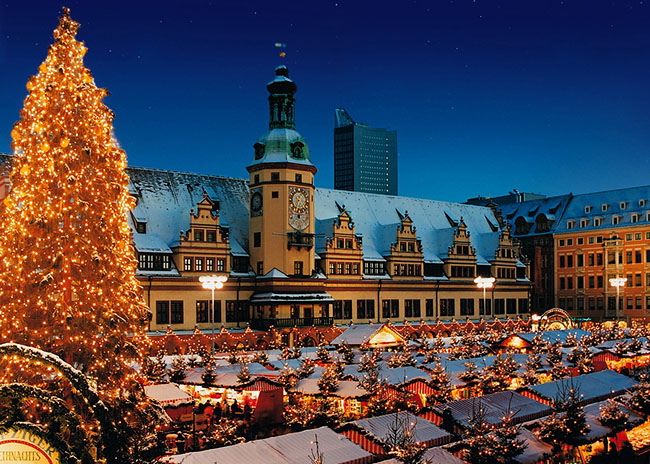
x: 168, y: 394
x: 591, y: 387
x: 376, y: 336
x: 293, y: 448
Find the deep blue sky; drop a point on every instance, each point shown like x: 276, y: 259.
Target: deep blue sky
x: 539, y: 95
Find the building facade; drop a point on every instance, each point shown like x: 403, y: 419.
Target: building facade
x: 578, y: 243
x: 365, y: 158
x: 300, y: 256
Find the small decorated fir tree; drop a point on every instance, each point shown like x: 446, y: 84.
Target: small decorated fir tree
x: 441, y: 385
x: 323, y: 354
x: 210, y: 366
x: 244, y: 375
x: 329, y: 381
x: 179, y: 367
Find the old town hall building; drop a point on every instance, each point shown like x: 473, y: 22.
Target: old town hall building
x: 296, y: 255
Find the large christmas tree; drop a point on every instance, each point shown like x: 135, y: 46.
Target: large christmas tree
x: 67, y: 266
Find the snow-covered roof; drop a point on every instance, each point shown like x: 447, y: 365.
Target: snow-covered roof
x: 346, y: 388
x: 150, y: 243
x: 496, y: 405
x: 273, y: 297
x: 165, y: 198
x: 535, y: 449
x: 592, y: 387
x: 525, y: 215
x: 167, y: 394
x: 424, y: 431
x: 358, y: 334
x: 293, y: 448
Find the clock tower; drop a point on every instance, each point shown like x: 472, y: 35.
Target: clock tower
x: 281, y: 228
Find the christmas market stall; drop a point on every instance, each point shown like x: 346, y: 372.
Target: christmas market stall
x: 350, y: 398
x: 591, y: 387
x: 623, y: 354
x: 177, y: 403
x: 374, y: 433
x: 371, y: 336
x: 523, y: 341
x: 495, y: 406
x: 285, y: 449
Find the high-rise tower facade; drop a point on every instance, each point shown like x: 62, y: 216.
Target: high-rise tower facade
x: 365, y: 158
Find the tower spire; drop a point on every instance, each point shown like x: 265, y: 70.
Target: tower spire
x: 281, y: 100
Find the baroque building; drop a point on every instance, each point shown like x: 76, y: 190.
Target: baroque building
x: 578, y: 243
x: 300, y: 256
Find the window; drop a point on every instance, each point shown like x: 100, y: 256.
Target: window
x: 628, y: 237
x: 499, y: 306
x: 369, y: 308
x: 581, y: 241
x: 600, y: 303
x: 604, y: 207
x: 587, y: 209
x: 428, y: 306
x: 211, y: 236
x: 338, y: 310
x: 202, y: 311
x: 260, y: 267
x: 511, y: 306
x: 623, y: 204
x: 637, y: 280
x: 592, y: 282
x: 569, y: 283
x: 447, y: 307
x: 151, y: 261
x: 561, y: 242
x: 597, y: 222
x: 297, y: 268
x: 209, y: 264
x: 221, y: 264
x: 523, y: 305
x: 570, y: 224
x: 562, y: 261
x: 569, y: 261
x: 298, y: 177
x: 257, y: 239
x: 628, y: 257
x: 411, y: 308
x: 642, y: 203
x: 637, y: 236
x: 347, y: 309
x: 562, y: 283
x: 348, y: 244
x: 599, y: 259
x: 584, y: 222
x: 569, y: 241
x: 198, y: 264
x: 198, y: 235
x: 256, y: 179
x: 580, y: 306
x: 141, y: 227
x: 162, y: 312
x: 599, y: 281
x: 580, y: 282
x: 236, y: 310
x: 176, y: 312
x: 580, y: 260
x: 616, y: 220
x: 638, y: 256
x: 187, y: 264
x: 275, y: 194
x: 634, y: 217
x: 275, y: 176
x: 466, y: 306
x: 590, y: 240
x: 488, y: 307
x: 590, y: 258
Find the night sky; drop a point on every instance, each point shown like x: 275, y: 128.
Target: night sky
x: 486, y: 96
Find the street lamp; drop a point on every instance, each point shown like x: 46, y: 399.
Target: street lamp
x: 484, y: 283
x: 618, y: 282
x: 212, y: 282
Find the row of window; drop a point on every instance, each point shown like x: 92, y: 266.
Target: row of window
x: 598, y: 303
x: 622, y: 205
x: 154, y: 261
x: 205, y: 235
x: 390, y: 308
x: 343, y: 268
x: 505, y: 273
x: 616, y: 220
x: 196, y: 264
x: 636, y: 236
x: 596, y: 259
x: 172, y: 312
x: 407, y: 270
x: 633, y: 280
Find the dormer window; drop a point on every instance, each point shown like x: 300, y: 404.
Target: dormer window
x: 587, y: 209
x: 211, y: 236
x: 584, y: 222
x: 623, y: 204
x: 642, y: 203
x: 198, y: 235
x: 616, y: 220
x: 598, y: 221
x: 634, y: 217
x: 141, y: 227
x: 570, y: 224
x: 604, y: 207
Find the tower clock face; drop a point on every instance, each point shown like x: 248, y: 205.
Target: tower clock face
x: 298, y: 208
x: 256, y: 203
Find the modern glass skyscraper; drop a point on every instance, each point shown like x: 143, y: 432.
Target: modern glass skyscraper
x: 365, y: 158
